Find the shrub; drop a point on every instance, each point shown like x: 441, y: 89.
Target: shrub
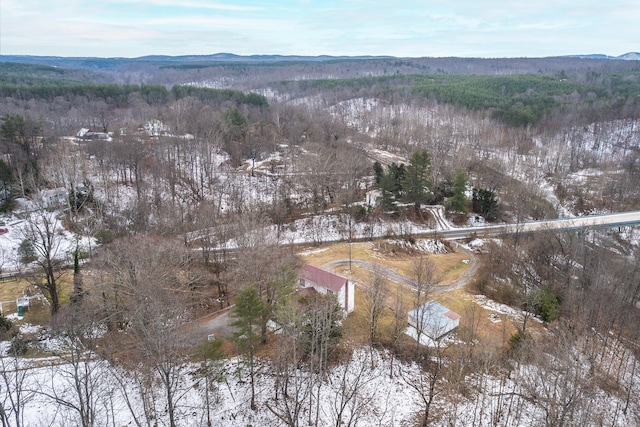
x: 6, y: 326
x: 19, y: 345
x: 547, y: 305
x: 518, y: 339
x: 105, y: 236
x: 26, y: 252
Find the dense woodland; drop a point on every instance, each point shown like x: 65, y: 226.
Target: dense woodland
x: 192, y: 217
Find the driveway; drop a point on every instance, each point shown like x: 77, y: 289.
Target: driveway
x: 394, y: 276
x: 218, y: 324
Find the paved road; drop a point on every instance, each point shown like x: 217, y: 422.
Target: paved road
x: 609, y: 220
x: 446, y: 232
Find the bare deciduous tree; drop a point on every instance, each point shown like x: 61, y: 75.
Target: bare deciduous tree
x: 15, y: 376
x: 428, y: 381
x: 146, y: 292
x: 81, y: 384
x: 348, y: 385
x: 248, y: 313
x: 375, y: 302
x: 42, y: 234
x: 322, y: 331
x: 423, y: 277
x: 292, y: 382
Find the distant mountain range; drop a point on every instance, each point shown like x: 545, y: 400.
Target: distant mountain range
x: 630, y: 56
x: 238, y: 58
x: 257, y: 69
x: 97, y: 62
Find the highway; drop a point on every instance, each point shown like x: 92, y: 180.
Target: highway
x: 446, y: 232
x: 608, y: 220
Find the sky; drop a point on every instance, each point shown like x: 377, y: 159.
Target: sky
x: 408, y: 28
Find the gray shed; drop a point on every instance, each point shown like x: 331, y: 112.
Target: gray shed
x: 433, y: 319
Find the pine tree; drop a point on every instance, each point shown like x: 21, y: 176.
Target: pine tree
x: 485, y: 203
x: 378, y: 172
x: 248, y: 312
x: 416, y: 184
x: 458, y: 200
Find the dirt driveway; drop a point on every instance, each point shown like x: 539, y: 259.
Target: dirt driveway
x: 218, y: 324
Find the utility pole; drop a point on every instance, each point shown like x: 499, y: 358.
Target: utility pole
x: 350, y: 238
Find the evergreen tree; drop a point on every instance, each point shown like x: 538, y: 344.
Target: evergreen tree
x: 248, y: 313
x: 458, y: 200
x: 237, y: 123
x: 6, y: 185
x: 416, y: 185
x: 387, y: 188
x: 396, y: 174
x: 484, y: 202
x: 18, y: 137
x: 378, y: 172
x: 390, y: 184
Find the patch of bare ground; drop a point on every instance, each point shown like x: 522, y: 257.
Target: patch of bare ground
x: 15, y: 287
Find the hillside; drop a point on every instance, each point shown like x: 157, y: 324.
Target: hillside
x: 149, y: 203
x: 250, y: 71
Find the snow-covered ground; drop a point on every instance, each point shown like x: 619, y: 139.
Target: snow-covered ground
x: 29, y: 219
x: 369, y: 388
x: 50, y: 397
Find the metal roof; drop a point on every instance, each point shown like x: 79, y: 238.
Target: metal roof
x: 436, y: 319
x: 323, y: 278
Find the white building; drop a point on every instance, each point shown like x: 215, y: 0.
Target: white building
x: 326, y: 282
x: 55, y: 198
x: 155, y: 127
x: 88, y: 134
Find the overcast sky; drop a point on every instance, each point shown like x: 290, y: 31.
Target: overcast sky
x: 407, y: 28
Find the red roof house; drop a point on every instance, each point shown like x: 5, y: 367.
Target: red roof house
x: 329, y: 283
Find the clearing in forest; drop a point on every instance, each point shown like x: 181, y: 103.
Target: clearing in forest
x: 477, y: 318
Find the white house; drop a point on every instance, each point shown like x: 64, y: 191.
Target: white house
x: 433, y: 320
x: 155, y: 127
x: 326, y: 282
x: 54, y: 198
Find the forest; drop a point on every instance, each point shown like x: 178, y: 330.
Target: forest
x: 155, y: 215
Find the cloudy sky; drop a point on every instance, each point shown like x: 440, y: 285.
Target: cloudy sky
x: 409, y: 28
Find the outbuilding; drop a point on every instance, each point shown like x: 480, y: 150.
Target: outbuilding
x: 433, y: 320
